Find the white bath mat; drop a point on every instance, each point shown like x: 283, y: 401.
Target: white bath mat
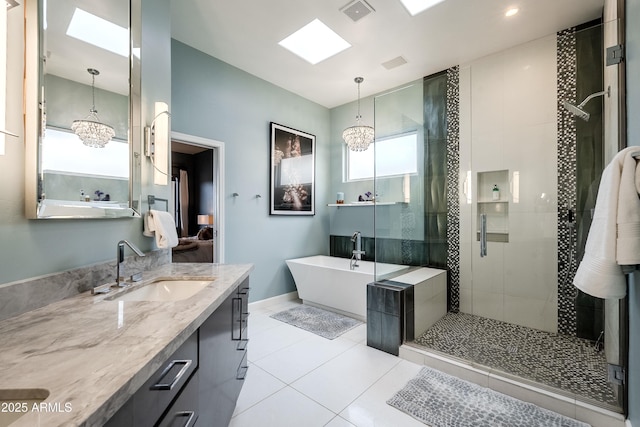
x: 321, y: 322
x: 440, y: 400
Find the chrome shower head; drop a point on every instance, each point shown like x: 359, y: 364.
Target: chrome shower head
x: 576, y: 111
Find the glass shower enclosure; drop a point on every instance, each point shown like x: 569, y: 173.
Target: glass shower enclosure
x: 501, y: 199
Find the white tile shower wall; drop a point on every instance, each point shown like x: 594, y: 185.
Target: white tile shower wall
x: 508, y: 122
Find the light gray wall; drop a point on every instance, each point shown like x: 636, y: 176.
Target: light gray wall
x: 156, y: 84
x: 214, y: 100
x: 633, y: 138
x: 31, y: 248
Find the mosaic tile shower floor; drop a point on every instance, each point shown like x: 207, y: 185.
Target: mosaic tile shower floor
x: 566, y: 363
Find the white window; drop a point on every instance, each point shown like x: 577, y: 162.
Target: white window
x: 396, y: 156
x: 62, y: 151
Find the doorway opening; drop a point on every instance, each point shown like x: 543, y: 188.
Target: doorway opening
x: 197, y: 180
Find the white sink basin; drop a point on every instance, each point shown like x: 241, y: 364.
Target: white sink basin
x: 164, y: 290
x: 17, y: 402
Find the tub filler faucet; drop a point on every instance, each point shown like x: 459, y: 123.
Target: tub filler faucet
x: 357, y: 251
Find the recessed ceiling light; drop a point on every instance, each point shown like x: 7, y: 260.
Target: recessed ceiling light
x: 314, y: 42
x: 414, y: 7
x: 511, y: 12
x: 99, y: 32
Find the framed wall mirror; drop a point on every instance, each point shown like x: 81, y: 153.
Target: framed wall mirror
x: 82, y: 82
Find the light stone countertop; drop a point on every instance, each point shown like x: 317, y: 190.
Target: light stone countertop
x: 92, y: 354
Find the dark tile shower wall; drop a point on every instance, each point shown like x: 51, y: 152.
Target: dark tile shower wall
x: 390, y: 251
x: 435, y: 169
x: 580, y: 165
x: 590, y: 163
x: 453, y: 200
x: 567, y: 181
x: 442, y: 152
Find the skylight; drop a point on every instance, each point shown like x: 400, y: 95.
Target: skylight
x: 315, y: 42
x: 414, y: 7
x: 99, y: 32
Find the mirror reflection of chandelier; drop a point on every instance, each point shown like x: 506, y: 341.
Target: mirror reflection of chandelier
x: 91, y: 131
x: 358, y: 137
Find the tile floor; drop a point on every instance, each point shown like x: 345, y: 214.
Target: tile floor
x: 297, y: 378
x: 567, y: 363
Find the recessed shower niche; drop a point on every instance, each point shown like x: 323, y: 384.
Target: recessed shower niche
x: 493, y: 202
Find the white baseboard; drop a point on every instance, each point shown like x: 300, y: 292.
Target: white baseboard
x: 291, y: 296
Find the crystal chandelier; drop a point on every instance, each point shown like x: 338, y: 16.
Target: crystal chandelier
x: 91, y: 131
x: 358, y: 137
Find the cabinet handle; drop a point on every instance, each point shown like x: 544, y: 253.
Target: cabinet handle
x: 190, y: 415
x: 242, y: 344
x: 236, y: 318
x: 241, y: 374
x: 168, y: 386
x: 244, y: 291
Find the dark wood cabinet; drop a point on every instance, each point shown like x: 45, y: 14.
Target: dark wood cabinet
x: 185, y: 410
x: 201, y: 381
x: 148, y: 405
x: 223, y: 358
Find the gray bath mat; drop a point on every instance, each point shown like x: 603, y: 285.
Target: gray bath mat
x: 440, y: 400
x: 321, y: 322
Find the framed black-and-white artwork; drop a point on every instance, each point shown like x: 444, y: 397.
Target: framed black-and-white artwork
x: 293, y: 160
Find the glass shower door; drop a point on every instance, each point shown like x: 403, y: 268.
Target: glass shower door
x: 529, y: 172
x: 501, y: 200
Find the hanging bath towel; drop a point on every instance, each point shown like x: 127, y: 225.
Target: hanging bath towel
x: 614, y: 236
x: 162, y: 225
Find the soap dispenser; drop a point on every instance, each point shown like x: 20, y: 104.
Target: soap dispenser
x: 495, y: 193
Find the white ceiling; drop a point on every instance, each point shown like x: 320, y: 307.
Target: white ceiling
x: 245, y: 34
x: 69, y: 58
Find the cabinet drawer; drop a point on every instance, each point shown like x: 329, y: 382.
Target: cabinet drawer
x: 163, y: 386
x: 243, y: 367
x: 240, y: 315
x: 184, y: 411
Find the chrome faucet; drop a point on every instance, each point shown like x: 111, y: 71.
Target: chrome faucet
x: 357, y: 251
x: 120, y: 282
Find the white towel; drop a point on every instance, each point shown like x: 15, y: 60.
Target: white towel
x: 162, y: 225
x: 614, y: 236
x: 628, y: 248
x: 146, y: 230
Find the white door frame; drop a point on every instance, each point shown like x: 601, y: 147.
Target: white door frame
x: 218, y: 171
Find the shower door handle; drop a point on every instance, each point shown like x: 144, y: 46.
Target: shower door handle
x: 483, y: 235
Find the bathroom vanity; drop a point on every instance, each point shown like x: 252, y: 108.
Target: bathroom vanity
x: 115, y: 362
x: 201, y: 381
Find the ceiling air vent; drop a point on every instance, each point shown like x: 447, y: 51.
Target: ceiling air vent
x: 357, y: 9
x: 395, y: 62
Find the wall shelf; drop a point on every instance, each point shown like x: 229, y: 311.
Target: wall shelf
x: 496, y: 211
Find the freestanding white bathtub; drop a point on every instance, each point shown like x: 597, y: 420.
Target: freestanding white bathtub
x: 328, y: 282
